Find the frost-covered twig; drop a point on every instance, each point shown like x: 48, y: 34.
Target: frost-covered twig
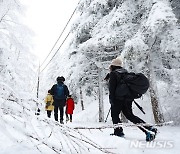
x: 75, y: 137
x: 125, y: 125
x: 53, y: 148
x: 71, y: 140
x: 94, y: 145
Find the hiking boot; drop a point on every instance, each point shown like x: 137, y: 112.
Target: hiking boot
x: 150, y: 137
x: 119, y: 132
x: 61, y: 121
x: 67, y: 117
x: 154, y: 130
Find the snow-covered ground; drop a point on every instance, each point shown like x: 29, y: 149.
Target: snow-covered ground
x: 27, y: 133
x: 12, y: 141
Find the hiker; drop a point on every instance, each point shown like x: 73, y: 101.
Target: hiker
x: 69, y: 108
x: 124, y: 103
x: 49, y: 104
x: 60, y: 92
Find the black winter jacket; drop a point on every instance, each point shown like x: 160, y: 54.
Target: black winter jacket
x: 53, y: 92
x: 113, y: 82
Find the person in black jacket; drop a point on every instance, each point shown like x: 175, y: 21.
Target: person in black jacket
x: 60, y: 92
x: 124, y: 103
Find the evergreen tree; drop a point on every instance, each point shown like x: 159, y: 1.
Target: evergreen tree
x: 148, y: 51
x: 143, y: 32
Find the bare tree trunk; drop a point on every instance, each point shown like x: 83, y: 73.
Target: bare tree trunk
x: 38, y: 83
x: 100, y: 89
x: 82, y: 104
x: 158, y: 116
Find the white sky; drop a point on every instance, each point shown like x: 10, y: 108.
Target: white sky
x: 47, y: 19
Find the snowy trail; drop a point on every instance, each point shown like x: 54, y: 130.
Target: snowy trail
x: 15, y: 140
x: 119, y: 145
x: 22, y: 132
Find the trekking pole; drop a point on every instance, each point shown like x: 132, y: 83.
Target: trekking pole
x: 107, y: 115
x: 139, y: 107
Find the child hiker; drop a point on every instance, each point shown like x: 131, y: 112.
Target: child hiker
x: 69, y: 108
x: 49, y: 104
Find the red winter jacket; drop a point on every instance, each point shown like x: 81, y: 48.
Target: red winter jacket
x: 69, y: 106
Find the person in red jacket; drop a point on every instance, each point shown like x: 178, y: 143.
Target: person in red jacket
x: 69, y: 108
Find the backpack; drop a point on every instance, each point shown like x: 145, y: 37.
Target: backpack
x: 131, y: 85
x: 59, y: 93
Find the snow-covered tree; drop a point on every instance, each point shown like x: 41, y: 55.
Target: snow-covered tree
x: 150, y: 50
x: 142, y: 30
x: 176, y: 8
x: 16, y: 67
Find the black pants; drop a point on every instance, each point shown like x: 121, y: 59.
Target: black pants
x: 56, y: 113
x: 49, y: 113
x: 126, y: 107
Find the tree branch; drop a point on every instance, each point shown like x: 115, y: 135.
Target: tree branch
x: 4, y: 15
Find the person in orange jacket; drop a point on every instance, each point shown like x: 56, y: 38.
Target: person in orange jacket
x: 69, y: 108
x: 49, y: 104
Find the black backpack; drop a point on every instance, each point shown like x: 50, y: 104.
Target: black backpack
x: 131, y: 85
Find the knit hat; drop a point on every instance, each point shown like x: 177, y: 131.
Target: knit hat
x: 61, y: 78
x: 116, y: 62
